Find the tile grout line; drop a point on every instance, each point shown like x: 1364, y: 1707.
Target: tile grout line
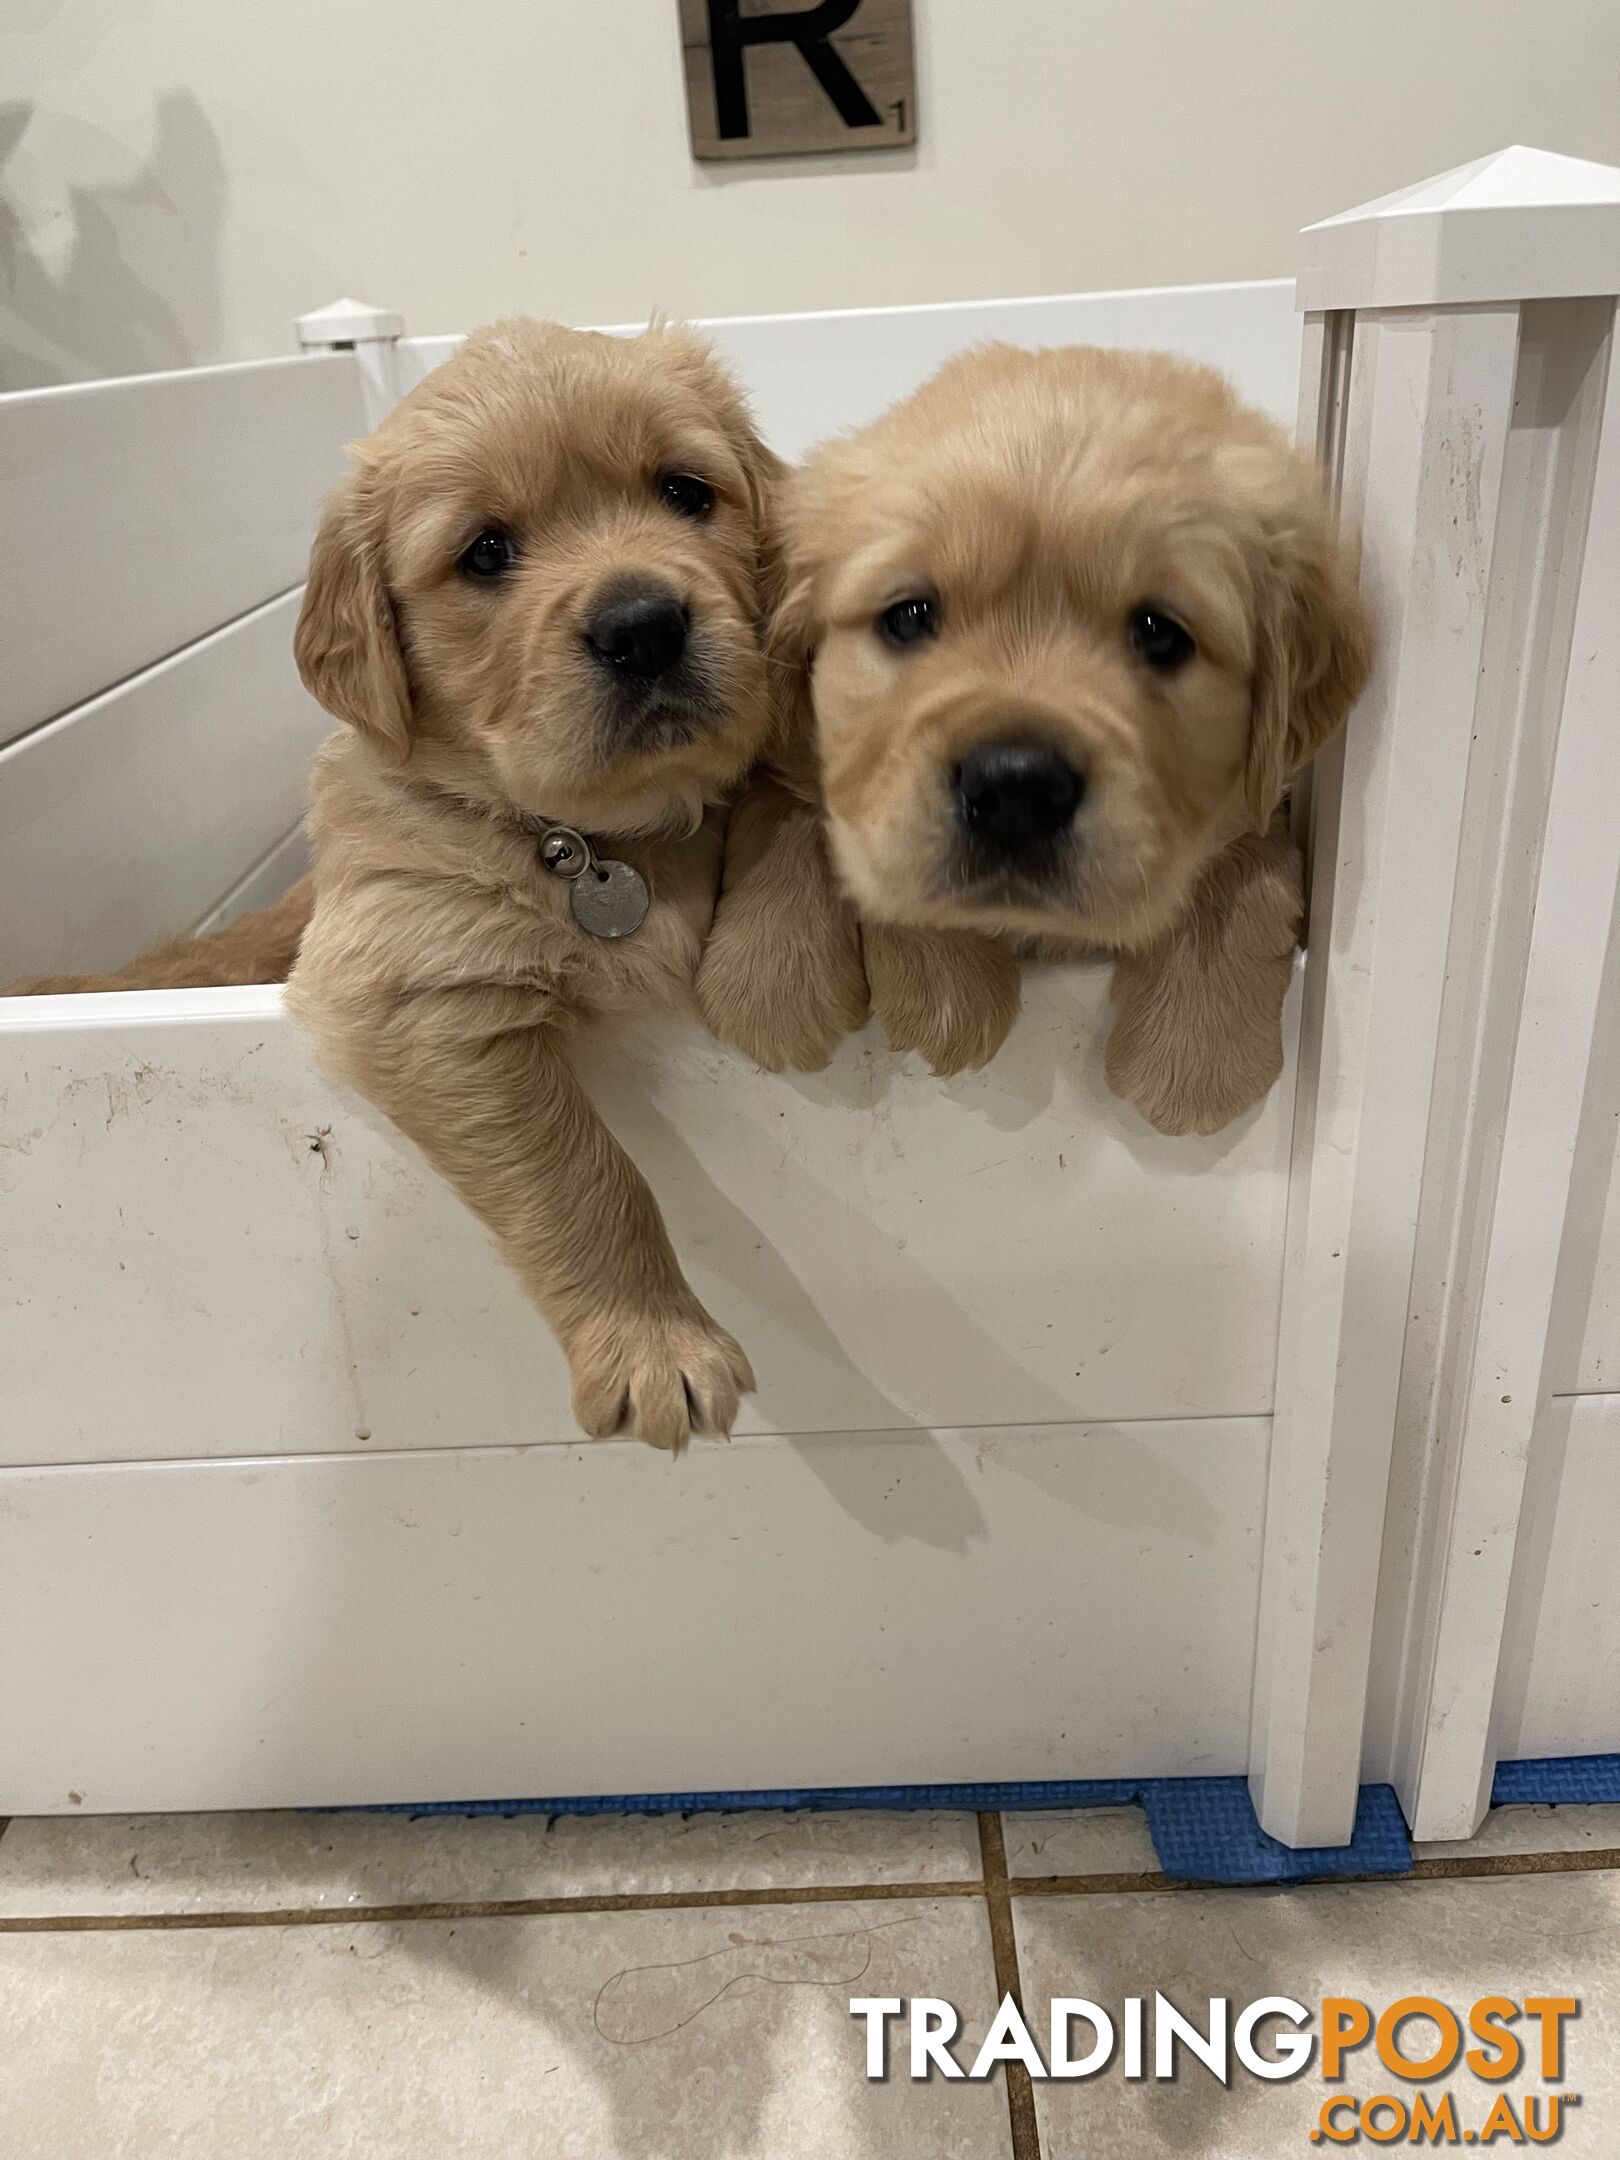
x: 1020, y: 1886
x: 1457, y: 1867
x: 1452, y: 1868
x: 490, y: 1908
x: 1026, y: 2142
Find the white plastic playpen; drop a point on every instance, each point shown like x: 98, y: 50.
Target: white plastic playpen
x: 1078, y: 1452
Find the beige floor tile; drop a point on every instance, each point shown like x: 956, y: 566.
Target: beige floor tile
x: 1454, y: 1940
x: 59, y: 1865
x: 720, y: 2034
x: 1533, y: 1830
x: 1080, y: 1841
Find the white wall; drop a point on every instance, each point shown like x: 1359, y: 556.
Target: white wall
x: 178, y: 178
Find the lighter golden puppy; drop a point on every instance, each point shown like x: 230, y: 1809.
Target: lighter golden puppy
x: 539, y: 602
x: 1076, y: 616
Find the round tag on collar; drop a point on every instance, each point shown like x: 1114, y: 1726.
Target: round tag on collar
x: 609, y: 899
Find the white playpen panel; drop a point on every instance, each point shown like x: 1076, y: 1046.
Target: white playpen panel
x: 279, y: 868
x: 135, y: 517
x: 837, y: 1223
x: 133, y: 816
x: 1000, y: 1509
x: 1559, y: 1689
x: 812, y: 375
x: 1588, y: 1339
x: 852, y: 1608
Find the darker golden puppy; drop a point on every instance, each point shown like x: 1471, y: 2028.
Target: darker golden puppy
x: 1076, y: 617
x: 538, y: 601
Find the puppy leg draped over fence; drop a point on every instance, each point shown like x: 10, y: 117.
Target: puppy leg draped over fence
x: 1460, y: 386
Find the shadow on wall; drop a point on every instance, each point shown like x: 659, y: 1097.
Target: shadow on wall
x: 111, y: 279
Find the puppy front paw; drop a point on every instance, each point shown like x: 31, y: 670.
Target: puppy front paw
x: 1197, y: 1037
x: 784, y: 991
x: 1184, y: 1086
x: 951, y: 995
x: 659, y: 1377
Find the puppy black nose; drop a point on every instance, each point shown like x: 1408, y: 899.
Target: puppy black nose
x: 1013, y: 796
x: 640, y: 633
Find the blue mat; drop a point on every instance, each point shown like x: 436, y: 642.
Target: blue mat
x: 1204, y: 1830
x: 1557, y: 1781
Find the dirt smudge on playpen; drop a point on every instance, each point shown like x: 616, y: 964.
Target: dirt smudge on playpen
x: 1460, y: 457
x: 320, y: 1143
x: 121, y: 1093
x: 125, y: 1093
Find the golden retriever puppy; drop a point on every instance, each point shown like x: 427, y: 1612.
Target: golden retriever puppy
x: 1076, y: 617
x: 256, y: 948
x: 538, y: 603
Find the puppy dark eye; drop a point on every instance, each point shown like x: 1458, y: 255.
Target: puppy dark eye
x: 1160, y: 640
x: 490, y: 556
x: 687, y: 495
x: 908, y: 622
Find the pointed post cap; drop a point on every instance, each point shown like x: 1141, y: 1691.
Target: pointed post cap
x: 1518, y: 225
x: 348, y: 322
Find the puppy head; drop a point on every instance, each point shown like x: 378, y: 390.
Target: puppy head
x: 1075, y: 616
x: 543, y: 577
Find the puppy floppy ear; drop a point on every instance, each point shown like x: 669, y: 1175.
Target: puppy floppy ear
x: 1313, y: 648
x: 767, y: 476
x: 347, y: 641
x: 784, y: 616
x: 763, y: 471
x: 788, y: 633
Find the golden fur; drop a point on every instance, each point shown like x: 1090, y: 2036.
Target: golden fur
x: 443, y: 973
x: 1036, y: 501
x: 781, y: 977
x: 256, y: 948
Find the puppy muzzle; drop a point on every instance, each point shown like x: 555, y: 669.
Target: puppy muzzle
x: 655, y: 680
x: 1014, y: 810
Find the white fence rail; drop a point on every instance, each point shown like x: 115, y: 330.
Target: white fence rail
x: 136, y: 516
x: 1468, y: 846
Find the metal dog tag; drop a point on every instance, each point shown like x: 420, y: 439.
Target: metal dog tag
x: 609, y: 899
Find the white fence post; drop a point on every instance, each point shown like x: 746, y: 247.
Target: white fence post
x: 372, y: 335
x: 1467, y: 845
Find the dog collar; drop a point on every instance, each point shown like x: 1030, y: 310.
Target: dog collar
x: 607, y: 899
